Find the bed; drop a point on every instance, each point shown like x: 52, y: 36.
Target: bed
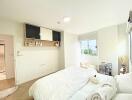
x: 72, y: 84
x: 124, y: 91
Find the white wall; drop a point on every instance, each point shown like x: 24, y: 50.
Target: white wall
x: 123, y: 45
x: 107, y: 47
x: 88, y: 58
x: 89, y: 36
x: 32, y: 62
x: 123, y: 39
x: 71, y: 50
x: 112, y: 42
x: 61, y: 52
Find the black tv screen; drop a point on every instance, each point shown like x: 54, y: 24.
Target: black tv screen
x: 56, y: 36
x: 32, y: 31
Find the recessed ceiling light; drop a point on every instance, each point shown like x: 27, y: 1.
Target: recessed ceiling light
x: 66, y: 19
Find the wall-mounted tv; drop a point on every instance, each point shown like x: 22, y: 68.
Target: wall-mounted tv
x: 32, y: 31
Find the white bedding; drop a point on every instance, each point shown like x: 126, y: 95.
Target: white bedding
x: 89, y: 89
x: 123, y: 96
x: 61, y: 85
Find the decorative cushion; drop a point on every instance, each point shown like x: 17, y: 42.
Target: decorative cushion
x: 94, y: 79
x: 87, y: 65
x: 123, y: 96
x: 124, y: 83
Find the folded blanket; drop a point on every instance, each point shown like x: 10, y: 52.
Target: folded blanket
x: 106, y: 92
x: 62, y: 84
x: 106, y: 86
x: 96, y: 96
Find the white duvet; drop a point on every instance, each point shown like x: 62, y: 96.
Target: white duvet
x: 106, y: 88
x: 61, y: 85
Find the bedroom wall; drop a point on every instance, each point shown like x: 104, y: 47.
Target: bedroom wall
x: 71, y: 50
x: 107, y: 47
x: 123, y: 45
x: 31, y: 62
x: 88, y: 58
x: 112, y: 42
x: 116, y: 40
x: 61, y: 52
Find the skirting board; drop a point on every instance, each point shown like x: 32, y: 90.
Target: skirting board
x: 7, y: 92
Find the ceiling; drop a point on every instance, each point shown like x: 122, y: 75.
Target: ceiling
x: 86, y: 15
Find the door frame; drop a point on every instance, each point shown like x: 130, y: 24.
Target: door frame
x: 2, y: 43
x: 9, y: 55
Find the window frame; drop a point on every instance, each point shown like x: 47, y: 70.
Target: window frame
x: 89, y: 48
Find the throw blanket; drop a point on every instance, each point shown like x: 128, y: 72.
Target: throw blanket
x: 103, y: 93
x: 61, y: 85
x: 96, y: 96
x: 104, y: 90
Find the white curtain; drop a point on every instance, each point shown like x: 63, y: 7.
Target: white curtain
x: 129, y: 30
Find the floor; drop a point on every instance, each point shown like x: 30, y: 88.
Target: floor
x: 21, y: 93
x: 7, y: 83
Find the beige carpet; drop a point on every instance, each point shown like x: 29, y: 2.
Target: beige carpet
x: 21, y: 93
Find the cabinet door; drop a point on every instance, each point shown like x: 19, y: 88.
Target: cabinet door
x: 56, y: 36
x: 46, y: 34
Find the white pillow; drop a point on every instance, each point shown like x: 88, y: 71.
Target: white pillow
x: 87, y: 65
x: 123, y: 96
x: 94, y: 80
x: 124, y: 83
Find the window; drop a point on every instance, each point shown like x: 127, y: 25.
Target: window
x: 88, y: 47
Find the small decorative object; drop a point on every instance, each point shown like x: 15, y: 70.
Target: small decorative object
x: 94, y: 79
x: 57, y: 44
x: 105, y: 68
x: 86, y: 65
x: 123, y: 68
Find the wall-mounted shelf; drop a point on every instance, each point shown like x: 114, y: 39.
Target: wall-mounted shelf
x: 36, y: 36
x: 40, y: 43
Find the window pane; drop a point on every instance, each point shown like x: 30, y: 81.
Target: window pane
x: 84, y: 44
x: 84, y: 47
x: 92, y: 47
x: 88, y: 47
